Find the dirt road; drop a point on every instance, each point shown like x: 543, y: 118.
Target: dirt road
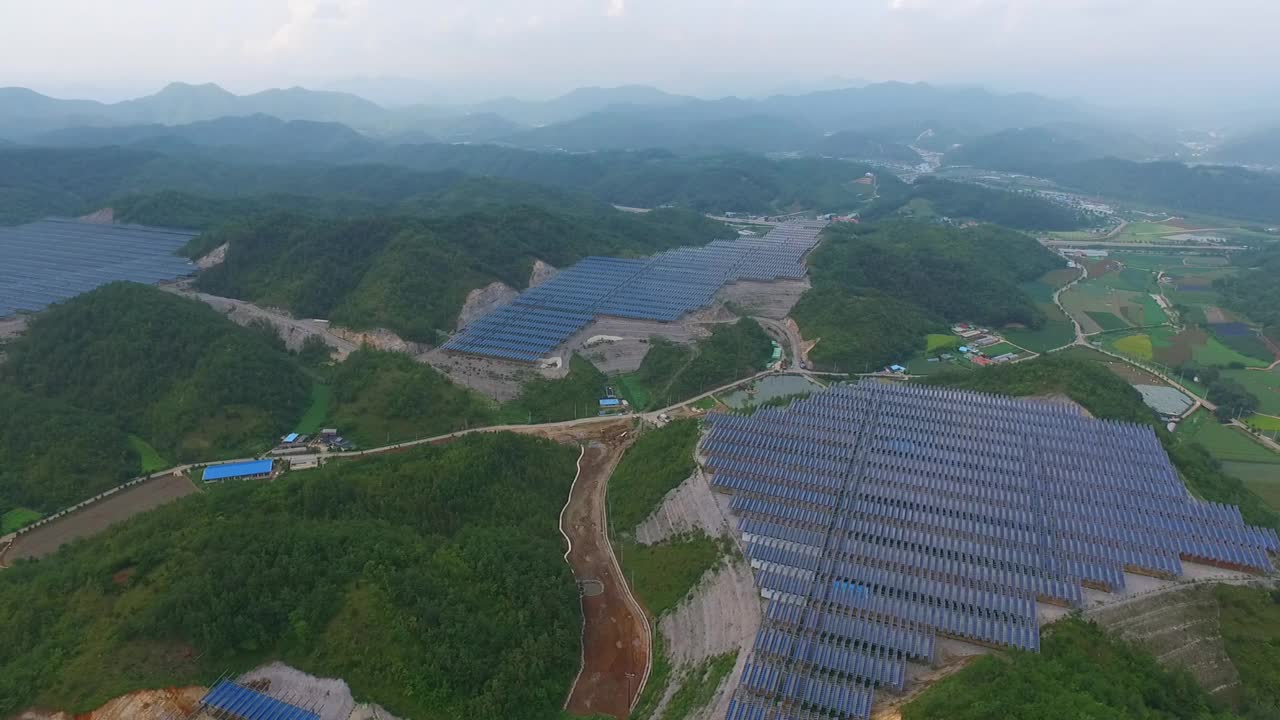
x: 615, y: 633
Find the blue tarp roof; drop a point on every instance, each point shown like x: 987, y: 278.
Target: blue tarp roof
x: 610, y: 402
x: 243, y: 702
x: 235, y: 470
x: 291, y: 437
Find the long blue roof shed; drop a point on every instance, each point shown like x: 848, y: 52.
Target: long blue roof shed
x: 610, y: 402
x: 228, y: 698
x: 236, y: 470
x: 291, y: 437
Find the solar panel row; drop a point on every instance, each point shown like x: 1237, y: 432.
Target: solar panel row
x: 53, y: 260
x: 878, y: 515
x: 661, y: 288
x: 227, y: 699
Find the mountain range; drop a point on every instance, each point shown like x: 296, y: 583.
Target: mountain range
x: 587, y: 119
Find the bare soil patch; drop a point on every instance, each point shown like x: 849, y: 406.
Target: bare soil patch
x: 162, y: 704
x: 482, y: 301
x: 772, y: 300
x: 541, y: 273
x: 99, y: 516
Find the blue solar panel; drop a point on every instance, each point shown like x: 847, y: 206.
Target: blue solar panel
x: 877, y: 516
x: 661, y: 288
x: 53, y: 260
x: 238, y: 701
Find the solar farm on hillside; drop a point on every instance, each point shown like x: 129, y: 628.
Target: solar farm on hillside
x: 52, y: 260
x: 878, y: 517
x: 663, y: 287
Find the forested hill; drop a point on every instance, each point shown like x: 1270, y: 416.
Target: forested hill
x: 36, y: 182
x: 956, y: 200
x: 879, y: 289
x: 432, y: 582
x: 413, y: 275
x: 167, y: 369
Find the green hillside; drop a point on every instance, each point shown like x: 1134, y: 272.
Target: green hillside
x: 171, y: 370
x: 432, y: 582
x: 879, y: 289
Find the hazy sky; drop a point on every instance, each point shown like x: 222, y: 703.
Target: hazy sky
x: 468, y: 49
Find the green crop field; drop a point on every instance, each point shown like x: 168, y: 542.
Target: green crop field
x: 1213, y: 352
x: 17, y: 518
x: 1107, y: 321
x: 1264, y: 423
x: 317, y: 411
x: 1131, y: 279
x: 936, y: 343
x: 1136, y: 346
x: 1263, y: 383
x: 1226, y: 443
x: 1000, y: 349
x: 1091, y: 301
x: 1262, y: 478
x: 149, y: 460
x: 1052, y: 334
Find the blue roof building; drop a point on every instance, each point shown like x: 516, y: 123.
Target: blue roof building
x: 291, y: 437
x: 231, y: 471
x: 610, y: 402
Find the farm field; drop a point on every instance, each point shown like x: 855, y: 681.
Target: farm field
x: 1226, y: 443
x: 100, y: 515
x: 1261, y: 478
x: 1163, y: 346
x: 17, y: 518
x: 1264, y: 423
x: 1263, y: 383
x: 1133, y: 375
x: 1098, y: 307
x: 1057, y: 329
x: 922, y: 366
x: 1000, y: 349
x: 936, y: 342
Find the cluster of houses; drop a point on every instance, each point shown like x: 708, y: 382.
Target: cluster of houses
x: 298, y: 444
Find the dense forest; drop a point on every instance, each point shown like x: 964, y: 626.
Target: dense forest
x: 413, y: 275
x: 878, y: 289
x: 432, y: 582
x: 53, y: 454
x: 168, y: 369
x: 1255, y: 292
x: 1107, y: 395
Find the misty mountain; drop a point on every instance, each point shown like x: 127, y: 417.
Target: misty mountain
x: 255, y: 137
x: 896, y: 112
x: 638, y: 129
x: 1257, y: 148
x: 578, y: 103
x: 1030, y: 149
x: 866, y: 146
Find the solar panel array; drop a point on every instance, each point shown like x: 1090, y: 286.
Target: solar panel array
x: 229, y: 700
x: 662, y: 287
x: 878, y: 516
x: 44, y: 262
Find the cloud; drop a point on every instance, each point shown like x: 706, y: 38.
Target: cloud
x: 304, y: 17
x: 617, y: 8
